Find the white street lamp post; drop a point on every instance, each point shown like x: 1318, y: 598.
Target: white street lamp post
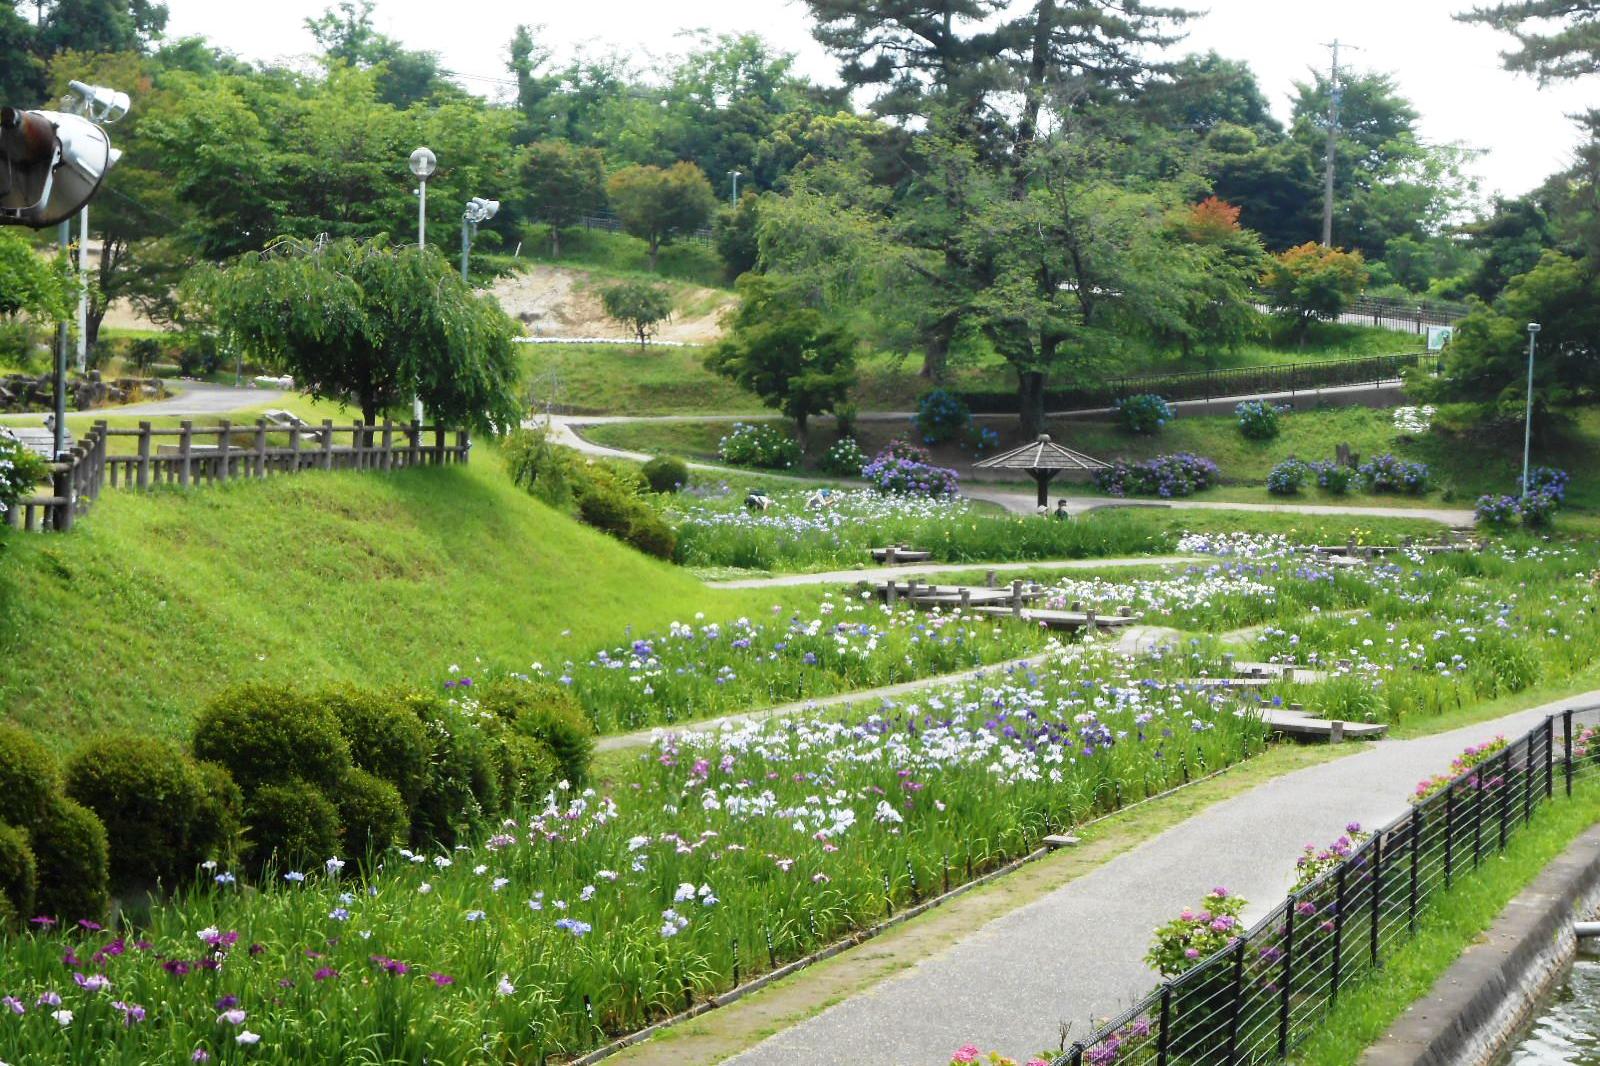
x: 1527, y: 418
x: 423, y: 163
x: 734, y: 199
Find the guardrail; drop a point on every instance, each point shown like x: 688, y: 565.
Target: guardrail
x: 257, y: 450
x: 1257, y: 999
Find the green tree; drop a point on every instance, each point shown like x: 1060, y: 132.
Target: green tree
x: 1486, y: 363
x: 735, y: 234
x: 640, y: 306
x: 1556, y: 39
x: 1387, y: 182
x: 1312, y: 282
x: 364, y: 323
x: 1198, y: 93
x: 100, y: 26
x: 785, y: 351
x: 404, y: 76
x: 21, y: 72
x: 659, y: 205
x: 1215, y: 266
x: 45, y: 288
x: 560, y: 185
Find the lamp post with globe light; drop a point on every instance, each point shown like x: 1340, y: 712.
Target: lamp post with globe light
x: 1527, y: 418
x: 423, y: 163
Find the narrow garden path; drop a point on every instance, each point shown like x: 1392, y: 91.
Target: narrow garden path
x: 922, y: 569
x: 1077, y: 953
x: 1026, y: 503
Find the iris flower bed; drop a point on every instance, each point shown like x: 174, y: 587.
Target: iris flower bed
x: 700, y: 669
x: 714, y: 857
x: 717, y: 531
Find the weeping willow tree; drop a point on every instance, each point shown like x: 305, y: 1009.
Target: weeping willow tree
x: 369, y: 325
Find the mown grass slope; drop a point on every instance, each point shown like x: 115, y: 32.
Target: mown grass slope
x: 158, y: 599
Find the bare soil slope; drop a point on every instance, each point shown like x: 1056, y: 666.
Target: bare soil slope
x: 554, y: 301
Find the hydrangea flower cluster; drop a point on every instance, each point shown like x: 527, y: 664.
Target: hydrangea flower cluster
x: 905, y: 469
x: 1180, y: 474
x: 1385, y: 473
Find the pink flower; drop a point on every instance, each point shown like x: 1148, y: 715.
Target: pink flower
x: 966, y: 1053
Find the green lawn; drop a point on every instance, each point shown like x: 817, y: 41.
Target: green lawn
x: 686, y: 260
x: 158, y: 599
x: 624, y: 379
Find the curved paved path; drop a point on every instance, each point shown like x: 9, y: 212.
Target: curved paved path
x: 1076, y: 954
x: 197, y: 399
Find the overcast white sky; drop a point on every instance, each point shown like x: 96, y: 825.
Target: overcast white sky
x: 1451, y: 71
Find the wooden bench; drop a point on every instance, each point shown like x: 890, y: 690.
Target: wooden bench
x: 39, y: 440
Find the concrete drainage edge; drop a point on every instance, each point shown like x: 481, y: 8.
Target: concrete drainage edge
x: 1479, y: 1003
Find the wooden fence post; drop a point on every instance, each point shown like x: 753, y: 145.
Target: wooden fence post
x: 261, y: 447
x: 463, y: 446
x: 99, y: 478
x: 327, y: 444
x: 144, y: 455
x: 184, y: 443
x: 294, y: 448
x: 414, y: 443
x: 61, y: 488
x: 224, y: 440
x: 358, y: 446
x: 386, y: 458
x: 438, y: 444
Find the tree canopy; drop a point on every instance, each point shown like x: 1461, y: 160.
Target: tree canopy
x: 365, y: 323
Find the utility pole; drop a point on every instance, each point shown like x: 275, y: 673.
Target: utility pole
x: 1335, y: 95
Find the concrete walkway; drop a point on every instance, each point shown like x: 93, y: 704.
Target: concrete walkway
x: 868, y: 573
x: 1076, y: 954
x: 195, y: 399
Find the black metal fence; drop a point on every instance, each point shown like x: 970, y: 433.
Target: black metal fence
x: 608, y: 221
x: 1277, y: 378
x: 1404, y: 315
x: 1263, y: 995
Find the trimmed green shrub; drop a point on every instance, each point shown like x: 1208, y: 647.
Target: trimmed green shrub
x: 386, y: 738
x: 292, y: 822
x: 550, y: 714
x: 266, y: 734
x: 528, y: 768
x: 652, y: 534
x: 666, y: 473
x: 219, y: 822
x: 149, y: 795
x: 541, y: 467
x: 73, y: 857
x: 10, y: 917
x: 463, y: 786
x: 373, y: 814
x: 19, y: 876
x: 28, y: 777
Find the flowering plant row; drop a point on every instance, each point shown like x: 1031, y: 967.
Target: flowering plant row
x: 715, y: 856
x: 907, y: 470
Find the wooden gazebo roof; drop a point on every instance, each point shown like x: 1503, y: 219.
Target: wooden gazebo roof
x: 1041, y: 454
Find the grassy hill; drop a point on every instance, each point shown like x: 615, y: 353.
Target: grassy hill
x: 159, y: 599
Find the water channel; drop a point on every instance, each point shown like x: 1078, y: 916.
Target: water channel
x: 1566, y: 1031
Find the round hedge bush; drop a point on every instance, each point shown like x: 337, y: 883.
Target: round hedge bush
x: 69, y: 845
x: 463, y: 784
x: 373, y: 814
x: 386, y: 738
x: 19, y: 875
x: 267, y: 734
x: 149, y: 795
x: 528, y: 768
x: 292, y: 822
x: 29, y: 778
x: 219, y: 822
x: 666, y: 473
x: 652, y: 534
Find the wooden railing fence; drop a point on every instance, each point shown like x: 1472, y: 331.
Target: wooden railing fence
x: 201, y: 455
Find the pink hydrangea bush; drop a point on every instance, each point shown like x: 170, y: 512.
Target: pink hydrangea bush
x: 1470, y: 759
x: 1196, y: 935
